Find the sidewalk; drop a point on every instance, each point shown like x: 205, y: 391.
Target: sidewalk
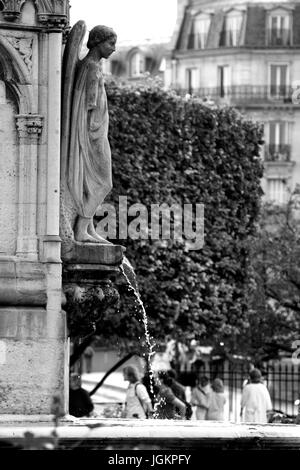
x: 113, y: 390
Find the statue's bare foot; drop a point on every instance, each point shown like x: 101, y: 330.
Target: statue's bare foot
x: 84, y: 237
x: 96, y: 236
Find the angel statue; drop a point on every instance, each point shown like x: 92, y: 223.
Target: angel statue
x: 85, y: 151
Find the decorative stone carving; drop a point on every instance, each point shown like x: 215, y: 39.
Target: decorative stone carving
x: 53, y: 13
x: 12, y: 9
x: 86, y: 168
x: 29, y: 126
x: 89, y: 291
x: 86, y: 304
x: 24, y: 47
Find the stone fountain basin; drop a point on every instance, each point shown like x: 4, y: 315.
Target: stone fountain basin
x: 164, y: 435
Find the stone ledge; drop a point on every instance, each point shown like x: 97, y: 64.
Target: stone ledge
x: 93, y: 253
x: 157, y: 434
x: 22, y: 283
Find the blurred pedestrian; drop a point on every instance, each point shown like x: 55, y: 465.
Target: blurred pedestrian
x: 137, y: 403
x: 256, y: 401
x: 88, y: 357
x: 80, y: 402
x: 196, y: 361
x: 168, y: 406
x: 217, y: 401
x: 180, y: 392
x: 200, y: 396
x: 177, y: 388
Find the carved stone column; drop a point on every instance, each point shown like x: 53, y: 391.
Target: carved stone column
x: 29, y: 129
x: 12, y: 9
x: 53, y: 14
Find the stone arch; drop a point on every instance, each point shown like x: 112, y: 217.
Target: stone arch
x: 29, y: 12
x: 16, y: 76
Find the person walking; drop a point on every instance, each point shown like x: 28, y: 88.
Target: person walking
x: 256, y: 401
x: 217, y: 401
x: 137, y: 403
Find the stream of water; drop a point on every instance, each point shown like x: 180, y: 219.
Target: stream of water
x: 129, y: 274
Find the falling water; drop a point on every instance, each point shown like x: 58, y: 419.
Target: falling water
x: 133, y: 285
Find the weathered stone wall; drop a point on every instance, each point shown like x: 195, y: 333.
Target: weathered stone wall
x: 9, y: 173
x: 33, y: 356
x: 31, y: 352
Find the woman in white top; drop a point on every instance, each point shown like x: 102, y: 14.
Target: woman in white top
x: 138, y: 404
x: 200, y: 397
x: 256, y: 400
x: 217, y: 401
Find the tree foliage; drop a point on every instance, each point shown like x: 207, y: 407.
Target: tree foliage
x: 166, y: 149
x: 274, y: 314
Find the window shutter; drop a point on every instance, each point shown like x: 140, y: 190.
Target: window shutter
x: 282, y: 134
x: 272, y: 133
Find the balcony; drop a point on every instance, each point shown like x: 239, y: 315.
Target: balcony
x: 279, y: 38
x: 277, y: 153
x: 242, y: 94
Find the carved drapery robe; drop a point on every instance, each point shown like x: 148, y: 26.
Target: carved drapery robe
x: 89, y: 162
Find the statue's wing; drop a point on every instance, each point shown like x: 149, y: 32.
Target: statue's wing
x: 69, y: 64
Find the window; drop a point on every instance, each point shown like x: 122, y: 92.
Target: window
x: 137, y: 64
x: 199, y: 32
x: 279, y: 81
x: 279, y: 28
x: 230, y: 34
x: 277, y: 190
x: 223, y: 80
x: 278, y: 148
x: 191, y: 80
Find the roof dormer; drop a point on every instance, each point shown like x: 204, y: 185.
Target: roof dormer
x: 199, y: 30
x: 232, y: 28
x: 279, y: 27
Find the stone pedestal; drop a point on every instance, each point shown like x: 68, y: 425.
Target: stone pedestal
x: 89, y: 272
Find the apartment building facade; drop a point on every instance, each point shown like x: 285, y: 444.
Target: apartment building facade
x: 135, y: 61
x: 246, y: 54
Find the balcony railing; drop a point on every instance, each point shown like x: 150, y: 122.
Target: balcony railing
x: 277, y: 153
x: 242, y: 94
x: 280, y: 37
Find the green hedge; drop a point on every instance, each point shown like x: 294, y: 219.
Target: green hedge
x: 168, y: 149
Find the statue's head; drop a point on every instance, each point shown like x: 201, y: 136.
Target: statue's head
x: 100, y: 34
